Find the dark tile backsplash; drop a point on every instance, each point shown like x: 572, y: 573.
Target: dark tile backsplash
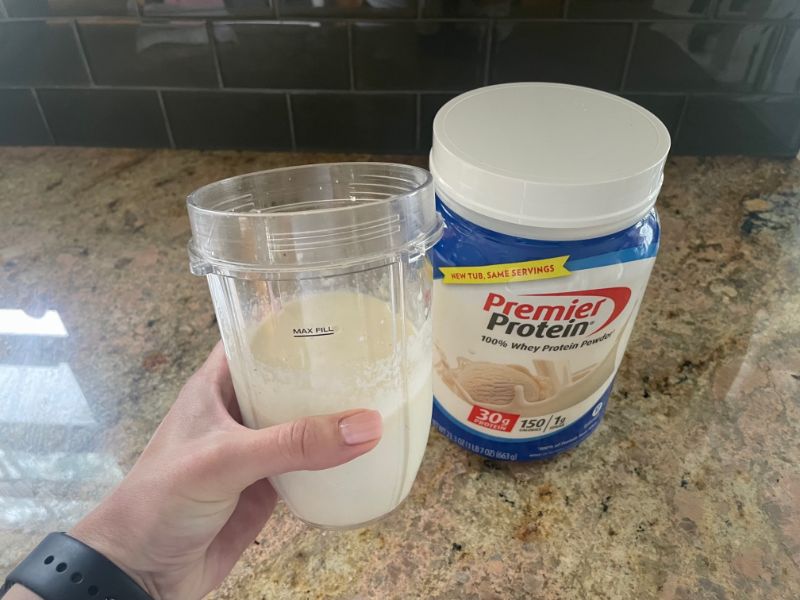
x: 758, y: 9
x: 347, y: 8
x: 154, y: 54
x: 21, y: 123
x: 301, y: 54
x: 131, y: 118
x: 244, y: 120
x: 206, y: 8
x: 369, y: 75
x: 639, y: 9
x: 755, y: 125
x: 358, y: 122
x: 40, y: 53
x: 700, y: 57
x: 493, y: 8
x: 783, y: 74
x: 419, y: 55
x: 591, y: 54
x: 70, y: 8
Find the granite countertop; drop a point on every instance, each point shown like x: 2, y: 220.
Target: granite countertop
x: 689, y: 489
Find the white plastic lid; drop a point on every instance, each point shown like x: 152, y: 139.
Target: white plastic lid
x: 549, y: 155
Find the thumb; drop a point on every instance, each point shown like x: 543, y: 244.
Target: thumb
x: 307, y: 444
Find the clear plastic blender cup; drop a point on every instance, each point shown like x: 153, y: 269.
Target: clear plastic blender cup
x: 322, y: 291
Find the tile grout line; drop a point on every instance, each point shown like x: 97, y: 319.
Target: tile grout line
x: 214, y: 54
x: 246, y: 90
x: 487, y: 63
x: 3, y: 11
x: 82, y: 52
x: 418, y: 129
x: 629, y: 56
x: 565, y: 10
x: 40, y: 108
x: 350, y: 60
x: 681, y: 118
x: 167, y: 125
x: 290, y: 112
x: 276, y: 10
x: 372, y: 92
x: 684, y: 20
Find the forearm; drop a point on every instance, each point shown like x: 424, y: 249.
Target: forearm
x: 17, y: 592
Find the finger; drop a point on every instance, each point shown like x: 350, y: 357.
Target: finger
x: 307, y: 444
x: 217, y: 371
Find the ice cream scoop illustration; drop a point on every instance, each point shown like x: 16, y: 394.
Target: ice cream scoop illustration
x: 499, y: 385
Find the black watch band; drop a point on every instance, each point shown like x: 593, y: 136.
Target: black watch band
x: 63, y: 568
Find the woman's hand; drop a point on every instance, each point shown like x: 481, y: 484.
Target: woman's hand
x: 198, y: 495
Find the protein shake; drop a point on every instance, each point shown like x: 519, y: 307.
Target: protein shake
x: 353, y: 361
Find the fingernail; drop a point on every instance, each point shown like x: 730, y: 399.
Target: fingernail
x: 361, y: 427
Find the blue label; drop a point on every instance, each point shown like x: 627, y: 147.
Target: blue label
x: 465, y: 244
x: 520, y: 449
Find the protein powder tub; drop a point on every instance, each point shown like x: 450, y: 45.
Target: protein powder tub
x: 547, y: 193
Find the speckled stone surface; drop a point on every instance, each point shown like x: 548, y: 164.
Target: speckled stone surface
x: 689, y: 489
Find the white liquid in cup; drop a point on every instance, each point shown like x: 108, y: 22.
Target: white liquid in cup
x: 335, y: 351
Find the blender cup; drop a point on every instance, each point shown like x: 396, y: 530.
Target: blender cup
x: 322, y: 292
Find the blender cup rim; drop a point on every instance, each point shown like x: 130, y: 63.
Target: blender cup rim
x: 192, y: 198
x: 311, y: 218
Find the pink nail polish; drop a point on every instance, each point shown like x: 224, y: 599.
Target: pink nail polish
x: 361, y: 427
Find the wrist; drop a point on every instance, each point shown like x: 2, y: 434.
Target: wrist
x: 111, y: 545
x: 65, y: 568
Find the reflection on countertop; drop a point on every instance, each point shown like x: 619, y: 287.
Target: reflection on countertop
x: 689, y: 489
